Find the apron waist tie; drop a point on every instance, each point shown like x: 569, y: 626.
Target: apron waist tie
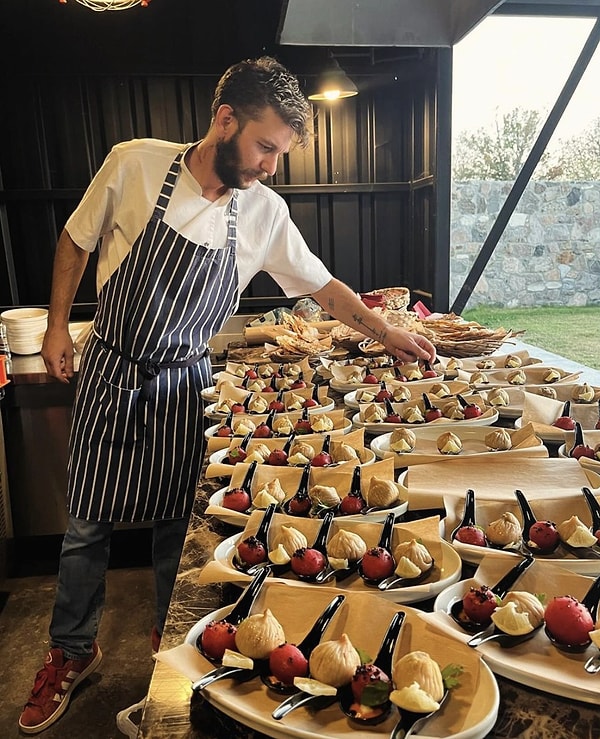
x: 151, y: 369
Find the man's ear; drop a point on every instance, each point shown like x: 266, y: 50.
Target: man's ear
x: 225, y: 119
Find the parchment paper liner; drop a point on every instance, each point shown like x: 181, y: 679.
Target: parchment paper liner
x: 564, y: 391
x: 537, y: 656
x: 289, y: 477
x: 525, y: 444
x: 355, y: 439
x: 542, y: 412
x: 365, y: 618
x: 340, y: 426
x: 494, y: 478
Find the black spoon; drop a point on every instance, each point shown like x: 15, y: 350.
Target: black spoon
x: 506, y: 641
x: 529, y: 520
x: 260, y: 537
x: 500, y: 589
x: 307, y: 644
x: 411, y: 722
x: 239, y: 612
x: 385, y: 542
x: 468, y: 518
x: 320, y: 544
x: 397, y: 581
x: 383, y: 661
x: 590, y: 601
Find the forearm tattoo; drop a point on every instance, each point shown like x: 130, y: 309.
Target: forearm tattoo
x: 379, y: 335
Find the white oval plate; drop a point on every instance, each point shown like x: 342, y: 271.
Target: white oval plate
x: 527, y: 663
x: 441, y: 424
x: 252, y: 704
x: 234, y: 518
x: 450, y: 568
x: 210, y: 411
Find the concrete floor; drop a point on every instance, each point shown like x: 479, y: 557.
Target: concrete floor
x: 123, y: 676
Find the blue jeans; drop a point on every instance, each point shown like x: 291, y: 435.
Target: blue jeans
x: 80, y: 590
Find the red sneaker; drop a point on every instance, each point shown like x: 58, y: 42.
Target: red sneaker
x: 53, y: 686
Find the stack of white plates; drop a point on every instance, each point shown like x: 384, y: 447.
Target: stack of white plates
x: 25, y: 329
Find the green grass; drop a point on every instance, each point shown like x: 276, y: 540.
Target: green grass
x: 573, y: 333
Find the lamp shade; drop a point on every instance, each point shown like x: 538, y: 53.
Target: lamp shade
x: 333, y: 84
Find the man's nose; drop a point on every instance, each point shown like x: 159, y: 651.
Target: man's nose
x: 269, y: 164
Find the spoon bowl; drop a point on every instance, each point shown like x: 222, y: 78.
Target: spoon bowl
x: 506, y: 641
x: 411, y: 723
x: 396, y: 581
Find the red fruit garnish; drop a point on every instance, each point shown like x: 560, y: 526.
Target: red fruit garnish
x: 471, y: 535
x: 237, y: 408
x: 252, y: 551
x: 472, y: 411
x: 479, y: 604
x: 371, y: 379
x: 303, y: 427
x: 236, y: 499
x: 262, y: 431
x: 544, y: 535
x: 377, y: 563
x: 277, y: 458
x: 251, y: 374
x: 366, y: 678
x: 322, y: 459
x: 432, y: 414
x: 217, y: 637
x: 224, y: 431
x: 310, y: 403
x: 277, y: 405
x: 564, y: 422
x: 582, y: 450
x: 297, y: 385
x: 352, y: 504
x: 308, y: 562
x: 568, y: 620
x: 287, y: 662
x: 235, y: 455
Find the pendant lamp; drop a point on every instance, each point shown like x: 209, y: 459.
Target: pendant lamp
x: 101, y: 5
x: 333, y: 83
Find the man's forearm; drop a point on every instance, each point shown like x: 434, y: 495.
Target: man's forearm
x: 342, y: 303
x: 69, y: 265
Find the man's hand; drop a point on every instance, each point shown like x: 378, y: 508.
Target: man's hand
x: 57, y: 353
x: 407, y: 346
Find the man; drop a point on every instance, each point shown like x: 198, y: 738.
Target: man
x: 183, y: 230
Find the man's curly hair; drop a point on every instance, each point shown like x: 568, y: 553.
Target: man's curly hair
x: 252, y: 85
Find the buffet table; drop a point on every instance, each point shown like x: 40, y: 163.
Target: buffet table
x: 172, y: 711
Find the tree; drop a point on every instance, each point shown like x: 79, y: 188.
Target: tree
x: 579, y: 158
x: 498, y: 154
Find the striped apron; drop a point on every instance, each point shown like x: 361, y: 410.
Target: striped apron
x: 137, y: 439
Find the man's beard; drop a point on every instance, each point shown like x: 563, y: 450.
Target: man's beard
x: 227, y: 165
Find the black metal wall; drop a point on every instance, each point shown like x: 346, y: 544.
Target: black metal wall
x: 365, y: 194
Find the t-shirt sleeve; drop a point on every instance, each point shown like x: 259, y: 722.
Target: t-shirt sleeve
x: 95, y: 214
x: 289, y: 260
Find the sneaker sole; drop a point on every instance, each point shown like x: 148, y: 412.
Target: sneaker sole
x: 65, y: 701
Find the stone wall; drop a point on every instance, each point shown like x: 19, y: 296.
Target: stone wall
x: 549, y: 253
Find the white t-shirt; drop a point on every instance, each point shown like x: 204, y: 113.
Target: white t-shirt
x: 120, y: 199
